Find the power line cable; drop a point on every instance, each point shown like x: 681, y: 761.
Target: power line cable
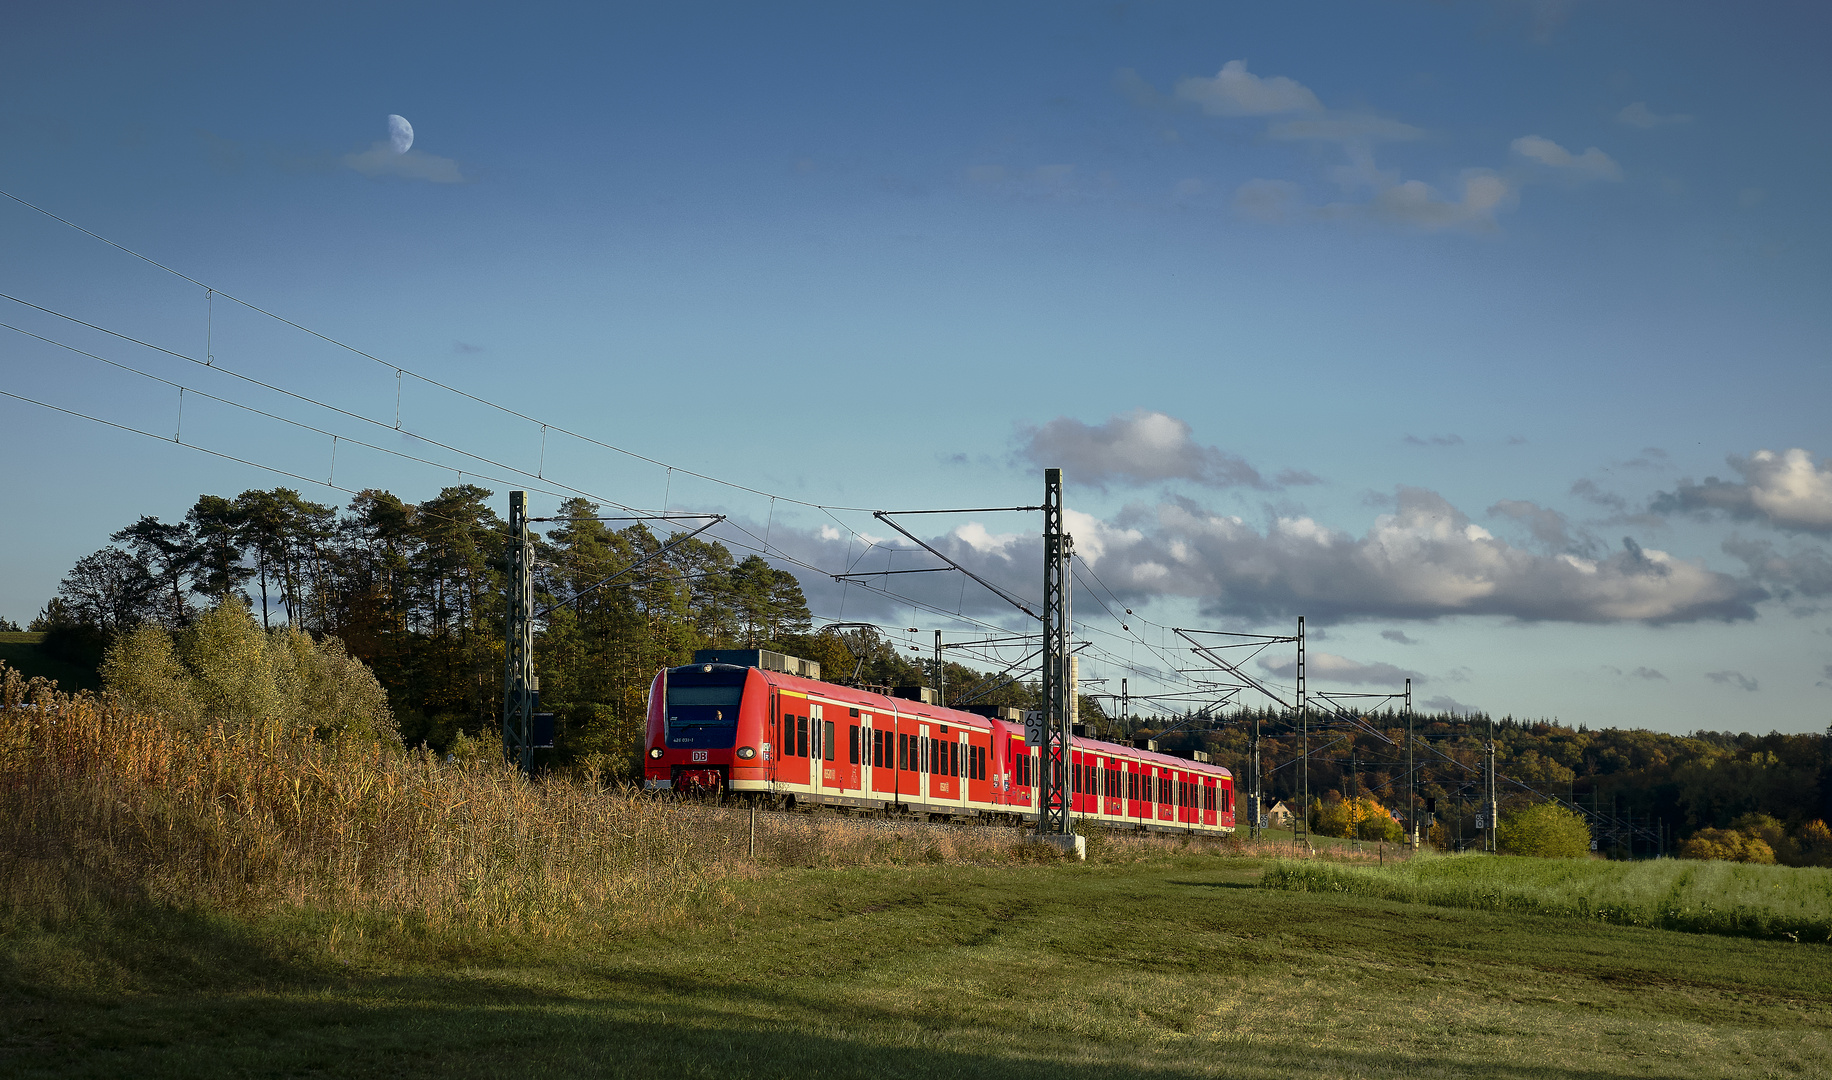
x: 400, y: 370
x: 306, y: 398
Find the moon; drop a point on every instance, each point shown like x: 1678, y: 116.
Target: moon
x: 400, y: 133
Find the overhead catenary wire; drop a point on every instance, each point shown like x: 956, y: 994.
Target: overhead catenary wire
x: 399, y: 369
x: 288, y: 393
x: 183, y: 389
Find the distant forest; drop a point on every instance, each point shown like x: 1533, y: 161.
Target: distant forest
x: 416, y: 592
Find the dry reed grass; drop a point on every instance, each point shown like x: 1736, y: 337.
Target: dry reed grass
x: 100, y: 804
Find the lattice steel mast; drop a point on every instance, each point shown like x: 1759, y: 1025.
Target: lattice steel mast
x: 519, y: 682
x: 1051, y: 735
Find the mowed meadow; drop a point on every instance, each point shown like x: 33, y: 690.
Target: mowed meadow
x: 253, y: 902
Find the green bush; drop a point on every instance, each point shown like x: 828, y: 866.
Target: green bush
x: 226, y: 669
x: 1545, y: 830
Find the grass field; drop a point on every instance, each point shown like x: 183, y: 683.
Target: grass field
x: 1674, y: 894
x: 1171, y: 966
x: 248, y: 901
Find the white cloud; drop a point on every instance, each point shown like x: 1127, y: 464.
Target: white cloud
x: 1332, y: 668
x: 1271, y: 201
x: 1141, y: 446
x: 1443, y: 703
x: 1425, y: 560
x: 976, y: 536
x: 1410, y: 203
x: 1734, y: 678
x: 1548, y: 526
x: 1787, y: 490
x: 382, y: 160
x: 1345, y: 128
x: 1234, y: 91
x: 1639, y: 115
x: 1803, y: 572
x: 1420, y: 205
x: 1592, y: 163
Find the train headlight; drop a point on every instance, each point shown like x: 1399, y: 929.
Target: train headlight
x: 655, y: 751
x: 746, y: 752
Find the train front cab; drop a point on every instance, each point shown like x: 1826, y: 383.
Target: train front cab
x: 706, y: 729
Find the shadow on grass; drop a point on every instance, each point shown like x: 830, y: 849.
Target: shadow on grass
x: 457, y: 1028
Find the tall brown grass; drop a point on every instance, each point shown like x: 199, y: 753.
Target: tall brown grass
x: 99, y: 803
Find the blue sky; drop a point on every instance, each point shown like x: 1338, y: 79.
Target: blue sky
x: 1455, y: 307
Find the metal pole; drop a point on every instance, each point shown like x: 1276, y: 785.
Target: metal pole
x: 1303, y: 808
x: 519, y: 682
x: 1412, y: 779
x: 1053, y: 736
x: 1254, y: 779
x: 941, y: 676
x: 1125, y: 708
x: 1491, y: 797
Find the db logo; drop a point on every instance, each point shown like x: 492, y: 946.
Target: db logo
x: 699, y: 755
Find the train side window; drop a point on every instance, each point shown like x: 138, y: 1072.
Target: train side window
x: 853, y: 747
x: 954, y: 759
x: 903, y: 751
x: 801, y: 737
x: 827, y: 747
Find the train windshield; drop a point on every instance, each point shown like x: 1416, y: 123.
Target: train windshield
x: 703, y: 706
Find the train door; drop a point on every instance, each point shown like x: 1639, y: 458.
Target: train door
x: 850, y: 771
x: 792, y: 753
x: 924, y: 762
x: 772, y: 741
x: 963, y: 751
x: 867, y: 766
x: 819, y: 772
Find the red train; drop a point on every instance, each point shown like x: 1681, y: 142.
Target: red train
x: 798, y: 741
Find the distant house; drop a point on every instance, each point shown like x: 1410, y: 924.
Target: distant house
x: 1279, y: 817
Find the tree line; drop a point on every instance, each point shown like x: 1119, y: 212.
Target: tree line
x: 1772, y: 788
x: 416, y: 592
